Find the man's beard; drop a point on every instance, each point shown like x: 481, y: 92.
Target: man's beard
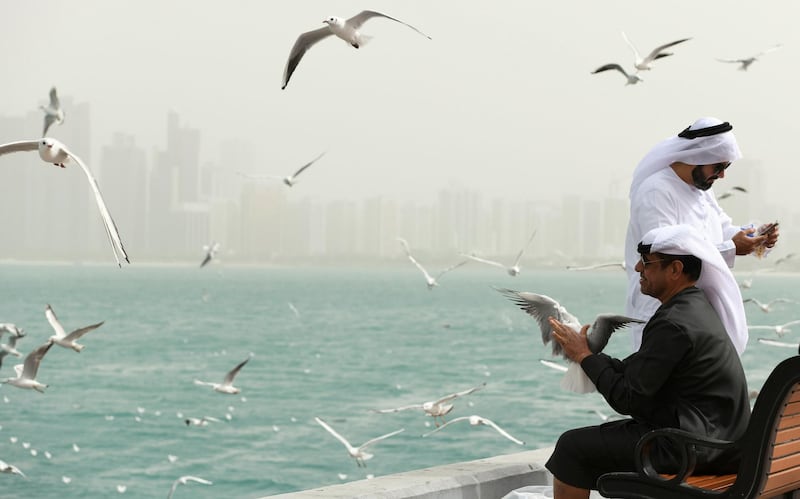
x: 699, y: 181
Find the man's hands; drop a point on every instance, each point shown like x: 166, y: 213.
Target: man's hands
x: 575, y: 345
x: 747, y: 241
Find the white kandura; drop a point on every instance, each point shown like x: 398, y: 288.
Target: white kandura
x: 645, y: 63
x: 61, y: 338
x: 476, y: 420
x: 52, y: 112
x: 346, y: 29
x: 227, y: 384
x: 438, y: 408
x: 430, y: 281
x: 358, y: 453
x: 514, y: 269
x: 26, y: 373
x: 53, y: 151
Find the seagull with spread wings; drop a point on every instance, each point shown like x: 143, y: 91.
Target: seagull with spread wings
x: 438, y: 408
x: 61, y: 338
x: 730, y: 192
x: 26, y: 373
x: 184, y: 480
x: 542, y: 307
x: 211, y: 252
x: 53, y: 151
x: 430, y: 281
x: 745, y: 63
x: 52, y: 112
x: 289, y: 180
x: 645, y: 63
x: 767, y: 307
x: 358, y: 453
x: 631, y: 78
x: 227, y: 384
x: 780, y: 329
x: 476, y: 420
x: 346, y: 29
x: 514, y: 269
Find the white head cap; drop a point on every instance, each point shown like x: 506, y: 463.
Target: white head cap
x: 716, y: 279
x: 705, y: 142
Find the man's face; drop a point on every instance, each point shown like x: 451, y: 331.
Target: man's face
x: 703, y: 176
x: 652, y: 277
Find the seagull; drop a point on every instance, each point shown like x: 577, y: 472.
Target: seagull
x: 657, y: 53
x: 53, y: 151
x: 9, y: 349
x: 211, y: 252
x: 357, y: 453
x: 10, y: 468
x: 513, y: 270
x: 346, y: 29
x: 780, y: 329
x: 554, y: 365
x: 598, y: 266
x: 190, y: 421
x: 745, y: 63
x: 288, y: 180
x: 781, y: 344
x: 767, y: 307
x: 11, y: 329
x: 632, y: 79
x: 730, y: 192
x: 227, y: 384
x: 542, y: 307
x: 475, y: 420
x: 605, y: 417
x: 429, y: 280
x: 184, y: 480
x: 294, y: 309
x: 63, y: 339
x: 26, y: 373
x: 438, y: 408
x: 53, y: 112
x: 784, y: 259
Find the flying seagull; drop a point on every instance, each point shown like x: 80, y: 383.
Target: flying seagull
x: 211, y: 252
x: 781, y: 344
x: 289, y: 180
x: 227, y: 384
x: 514, y: 269
x: 52, y: 112
x: 53, y: 151
x: 10, y: 468
x: 730, y: 192
x: 430, y: 281
x: 61, y: 337
x: 596, y: 266
x: 641, y: 63
x: 11, y: 329
x: 542, y: 307
x: 632, y: 79
x: 26, y: 373
x: 767, y: 307
x: 780, y: 329
x: 191, y: 421
x: 475, y: 420
x: 745, y: 63
x: 9, y: 348
x: 346, y: 29
x: 438, y: 408
x: 358, y: 453
x: 184, y: 480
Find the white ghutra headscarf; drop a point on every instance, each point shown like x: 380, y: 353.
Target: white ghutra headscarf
x: 701, y: 150
x: 716, y: 279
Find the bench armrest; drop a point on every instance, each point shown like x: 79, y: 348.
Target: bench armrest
x: 685, y: 443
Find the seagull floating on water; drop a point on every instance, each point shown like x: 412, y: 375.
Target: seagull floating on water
x: 767, y: 307
x: 227, y: 384
x: 184, y: 480
x: 745, y: 63
x: 211, y: 252
x: 346, y: 29
x: 61, y: 338
x: 429, y: 280
x: 438, y: 408
x: 644, y: 63
x: 475, y: 420
x: 26, y: 373
x: 358, y: 453
x: 631, y: 79
x: 53, y: 151
x: 52, y: 112
x: 514, y: 269
x: 542, y: 307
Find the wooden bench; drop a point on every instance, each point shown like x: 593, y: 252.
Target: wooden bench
x: 770, y: 448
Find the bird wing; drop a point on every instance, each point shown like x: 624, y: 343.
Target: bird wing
x: 483, y: 260
x: 304, y: 42
x: 333, y: 432
x: 519, y: 256
x: 790, y: 323
x: 24, y: 145
x: 753, y: 300
x: 604, y: 325
x: 501, y: 431
x: 771, y: 49
x: 377, y: 439
x: 357, y: 20
x: 206, y: 259
x: 413, y: 260
x: 54, y: 102
x: 738, y: 188
x: 74, y: 335
x: 442, y: 427
x: 397, y: 409
x: 233, y: 372
x: 540, y: 307
x: 633, y: 48
x: 197, y: 479
x: 452, y: 396
x: 307, y: 165
x: 770, y: 328
x: 656, y: 52
x: 31, y: 365
x: 108, y: 222
x: 607, y: 67
x: 740, y: 61
x: 553, y: 365
x: 598, y: 266
x: 775, y: 343
x: 452, y: 267
x: 53, y: 320
x: 781, y: 300
x: 49, y: 119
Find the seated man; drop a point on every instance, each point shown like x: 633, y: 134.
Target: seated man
x: 686, y: 374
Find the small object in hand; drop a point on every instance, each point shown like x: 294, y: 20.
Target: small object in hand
x: 764, y: 230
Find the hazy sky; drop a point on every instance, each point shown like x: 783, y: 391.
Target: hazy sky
x: 501, y: 100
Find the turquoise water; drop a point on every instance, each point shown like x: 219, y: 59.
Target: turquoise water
x: 364, y: 339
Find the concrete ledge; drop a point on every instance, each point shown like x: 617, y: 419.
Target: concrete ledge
x: 490, y: 478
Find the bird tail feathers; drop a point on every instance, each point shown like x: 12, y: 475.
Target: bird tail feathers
x: 575, y: 380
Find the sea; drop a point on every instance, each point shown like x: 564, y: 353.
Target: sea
x: 336, y: 343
